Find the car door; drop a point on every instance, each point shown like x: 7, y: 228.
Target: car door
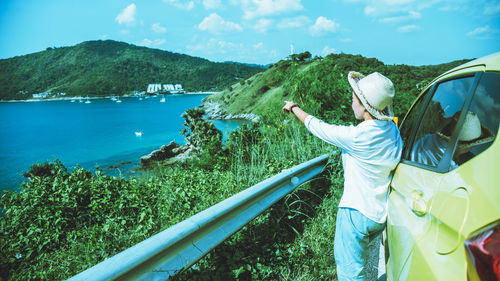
x: 418, y: 186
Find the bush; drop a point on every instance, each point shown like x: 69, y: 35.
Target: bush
x: 40, y: 170
x: 58, y: 216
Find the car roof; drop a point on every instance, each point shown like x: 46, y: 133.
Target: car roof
x: 487, y: 63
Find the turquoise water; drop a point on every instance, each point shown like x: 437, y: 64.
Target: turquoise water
x: 101, y: 133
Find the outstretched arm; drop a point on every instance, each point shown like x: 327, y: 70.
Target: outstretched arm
x: 290, y: 106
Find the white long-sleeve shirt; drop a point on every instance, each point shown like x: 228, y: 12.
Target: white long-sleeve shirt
x: 370, y: 151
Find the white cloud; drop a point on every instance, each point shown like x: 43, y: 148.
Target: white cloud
x: 484, y: 32
x: 124, y: 31
x: 258, y: 45
x: 296, y: 22
x: 220, y: 50
x: 214, y: 46
x: 398, y: 2
x: 260, y: 8
x: 323, y: 26
x: 412, y: 15
x: 156, y: 27
x: 127, y: 16
x: 378, y: 8
x: 263, y: 25
x: 408, y: 28
x: 151, y: 43
x: 212, y: 4
x: 327, y: 50
x: 184, y: 5
x: 217, y: 25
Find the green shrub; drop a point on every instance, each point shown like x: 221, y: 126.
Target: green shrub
x: 59, y: 214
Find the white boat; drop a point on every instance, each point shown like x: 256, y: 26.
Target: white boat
x: 162, y: 99
x: 88, y: 101
x: 118, y: 101
x: 139, y: 134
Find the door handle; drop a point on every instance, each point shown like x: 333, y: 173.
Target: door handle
x: 418, y: 204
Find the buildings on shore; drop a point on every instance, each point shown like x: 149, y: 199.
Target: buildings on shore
x: 46, y: 95
x: 165, y: 89
x: 152, y: 89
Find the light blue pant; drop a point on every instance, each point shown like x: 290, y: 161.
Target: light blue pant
x: 353, y: 233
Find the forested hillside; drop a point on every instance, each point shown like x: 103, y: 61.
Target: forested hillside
x: 97, y: 68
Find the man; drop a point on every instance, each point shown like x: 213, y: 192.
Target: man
x: 370, y: 152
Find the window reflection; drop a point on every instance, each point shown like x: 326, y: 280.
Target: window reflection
x: 439, y: 121
x: 486, y: 104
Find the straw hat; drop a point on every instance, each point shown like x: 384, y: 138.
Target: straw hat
x: 472, y: 134
x: 375, y: 92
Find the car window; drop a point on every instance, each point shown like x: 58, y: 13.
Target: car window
x: 481, y: 123
x: 438, y: 123
x: 411, y: 121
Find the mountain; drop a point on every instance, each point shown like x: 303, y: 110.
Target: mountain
x: 250, y: 64
x: 98, y: 68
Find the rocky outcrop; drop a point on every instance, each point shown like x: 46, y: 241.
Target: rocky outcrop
x: 165, y: 152
x: 213, y: 110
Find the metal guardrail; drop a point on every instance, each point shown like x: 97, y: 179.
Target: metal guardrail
x: 180, y: 246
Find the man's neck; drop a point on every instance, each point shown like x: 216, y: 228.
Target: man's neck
x: 367, y: 116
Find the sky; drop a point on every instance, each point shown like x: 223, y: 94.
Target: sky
x: 413, y: 32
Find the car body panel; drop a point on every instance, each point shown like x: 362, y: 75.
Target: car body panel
x: 431, y: 214
x: 410, y: 191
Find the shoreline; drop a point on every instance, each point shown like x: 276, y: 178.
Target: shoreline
x: 103, y: 97
x: 215, y: 112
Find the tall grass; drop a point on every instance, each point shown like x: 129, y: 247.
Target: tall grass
x: 294, y: 238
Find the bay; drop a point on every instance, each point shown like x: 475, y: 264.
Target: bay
x: 101, y: 133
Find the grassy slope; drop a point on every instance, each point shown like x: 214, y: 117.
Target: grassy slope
x: 312, y: 80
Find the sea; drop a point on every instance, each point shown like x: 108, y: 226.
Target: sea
x: 100, y: 133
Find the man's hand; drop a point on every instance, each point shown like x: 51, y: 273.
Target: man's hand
x: 288, y: 106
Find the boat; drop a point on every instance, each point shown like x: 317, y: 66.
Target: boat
x: 118, y: 101
x: 162, y: 99
x: 139, y: 134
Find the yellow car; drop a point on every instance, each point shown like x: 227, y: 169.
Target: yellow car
x: 444, y: 206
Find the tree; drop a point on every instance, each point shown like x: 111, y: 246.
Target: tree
x: 302, y: 56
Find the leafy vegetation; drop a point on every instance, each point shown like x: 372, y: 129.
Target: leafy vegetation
x: 63, y: 222
x: 98, y: 68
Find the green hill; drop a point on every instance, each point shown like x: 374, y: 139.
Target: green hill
x: 96, y: 68
x: 320, y: 85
